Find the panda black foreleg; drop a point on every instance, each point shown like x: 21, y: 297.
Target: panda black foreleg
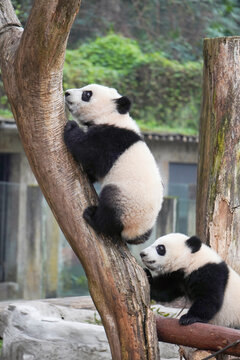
x: 202, y: 310
x: 77, y: 143
x: 206, y: 288
x: 105, y: 218
x: 72, y: 136
x: 166, y: 287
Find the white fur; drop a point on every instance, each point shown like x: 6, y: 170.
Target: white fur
x: 229, y: 314
x: 101, y: 109
x: 135, y: 172
x: 178, y: 256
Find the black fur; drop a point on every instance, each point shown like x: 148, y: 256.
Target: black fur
x: 86, y: 96
x: 105, y: 218
x: 140, y: 239
x: 204, y: 287
x: 123, y: 104
x: 194, y: 243
x: 99, y: 147
x: 167, y: 287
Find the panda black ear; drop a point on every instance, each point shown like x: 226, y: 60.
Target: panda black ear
x: 123, y: 104
x: 194, y: 243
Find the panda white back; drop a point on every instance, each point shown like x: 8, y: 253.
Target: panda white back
x: 141, y: 190
x: 112, y: 151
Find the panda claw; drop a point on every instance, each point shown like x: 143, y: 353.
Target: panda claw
x: 89, y: 213
x: 188, y: 320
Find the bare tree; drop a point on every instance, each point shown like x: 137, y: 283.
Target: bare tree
x: 31, y: 63
x: 218, y: 201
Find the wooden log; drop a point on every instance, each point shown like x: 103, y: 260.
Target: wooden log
x: 198, y: 335
x: 218, y: 189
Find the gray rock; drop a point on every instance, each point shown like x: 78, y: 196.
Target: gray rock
x: 40, y: 331
x: 37, y: 330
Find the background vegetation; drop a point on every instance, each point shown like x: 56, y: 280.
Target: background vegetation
x: 150, y: 51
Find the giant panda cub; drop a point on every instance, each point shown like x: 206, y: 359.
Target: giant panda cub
x: 184, y: 266
x: 112, y: 151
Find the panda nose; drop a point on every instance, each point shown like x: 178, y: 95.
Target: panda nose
x: 67, y: 93
x: 142, y: 254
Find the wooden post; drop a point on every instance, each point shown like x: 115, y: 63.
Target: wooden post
x: 218, y: 193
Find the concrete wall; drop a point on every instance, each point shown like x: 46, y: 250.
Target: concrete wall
x: 166, y: 152
x: 33, y: 236
x: 32, y: 232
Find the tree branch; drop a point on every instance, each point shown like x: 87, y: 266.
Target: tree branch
x: 43, y: 42
x: 7, y: 15
x: 198, y: 335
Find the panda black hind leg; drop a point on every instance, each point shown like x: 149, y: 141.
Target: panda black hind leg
x: 105, y: 218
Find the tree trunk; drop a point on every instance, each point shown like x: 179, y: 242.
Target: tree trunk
x: 218, y: 201
x: 32, y: 63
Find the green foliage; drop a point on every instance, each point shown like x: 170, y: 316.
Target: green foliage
x: 165, y: 93
x: 105, y: 60
x: 175, y: 27
x: 113, y: 51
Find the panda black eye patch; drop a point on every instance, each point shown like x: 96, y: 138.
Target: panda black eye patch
x: 161, y: 250
x: 86, y: 95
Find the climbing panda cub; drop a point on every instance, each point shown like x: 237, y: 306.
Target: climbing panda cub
x: 184, y: 266
x: 112, y: 151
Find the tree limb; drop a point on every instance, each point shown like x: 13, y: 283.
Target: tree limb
x: 198, y: 335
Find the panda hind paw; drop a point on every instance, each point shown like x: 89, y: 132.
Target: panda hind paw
x: 89, y: 213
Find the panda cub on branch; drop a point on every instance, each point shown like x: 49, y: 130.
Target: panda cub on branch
x: 112, y: 151
x: 184, y: 266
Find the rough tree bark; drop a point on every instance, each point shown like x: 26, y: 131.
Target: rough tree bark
x: 31, y: 63
x: 200, y: 336
x: 218, y: 201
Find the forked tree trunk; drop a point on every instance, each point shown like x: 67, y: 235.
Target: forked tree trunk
x: 31, y: 63
x: 218, y: 194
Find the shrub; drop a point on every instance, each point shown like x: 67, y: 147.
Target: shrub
x: 164, y: 92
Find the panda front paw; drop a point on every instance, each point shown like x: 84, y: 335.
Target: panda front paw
x: 189, y: 319
x: 71, y: 124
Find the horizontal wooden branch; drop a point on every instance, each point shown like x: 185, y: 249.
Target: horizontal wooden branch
x: 198, y: 335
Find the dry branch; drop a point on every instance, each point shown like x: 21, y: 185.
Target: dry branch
x: 31, y: 63
x: 198, y: 335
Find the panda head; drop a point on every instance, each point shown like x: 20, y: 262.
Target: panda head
x: 171, y: 253
x: 96, y: 105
